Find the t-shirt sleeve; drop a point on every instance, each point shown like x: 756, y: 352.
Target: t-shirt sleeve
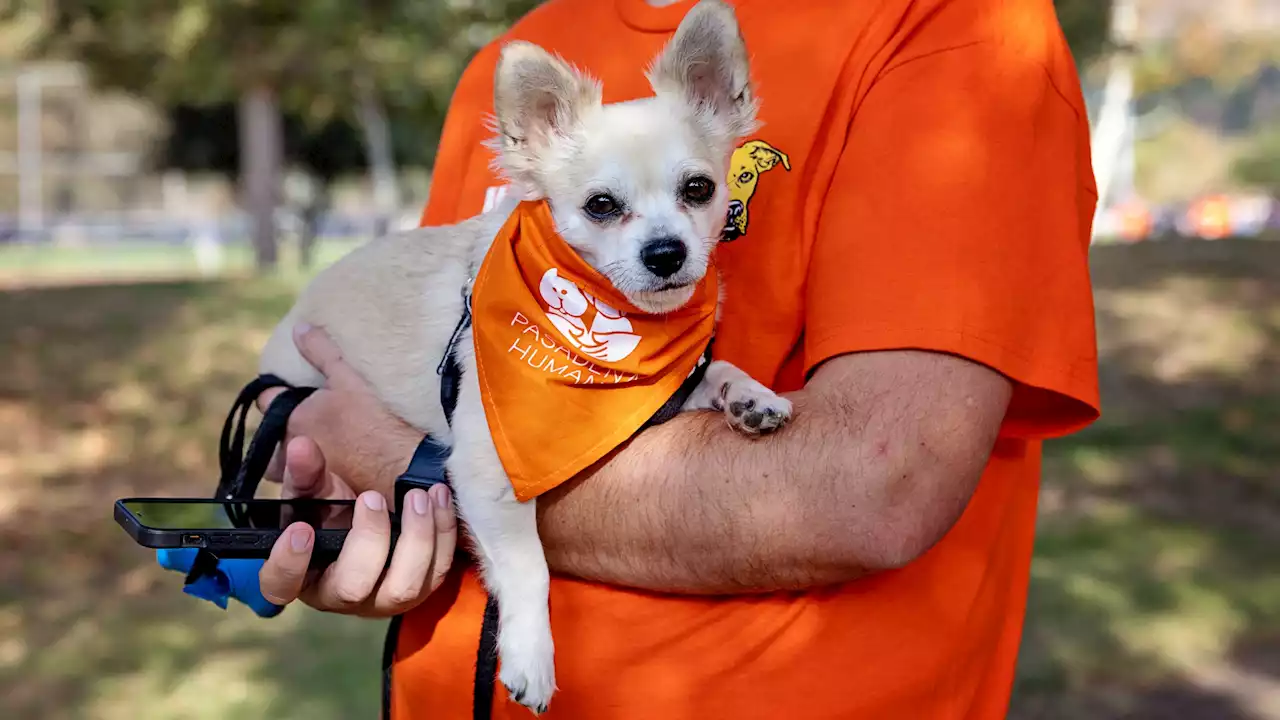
x: 958, y: 221
x: 463, y: 131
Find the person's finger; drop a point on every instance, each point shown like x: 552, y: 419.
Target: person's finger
x: 323, y: 353
x: 318, y: 348
x: 307, y: 476
x: 265, y: 398
x: 351, y: 579
x: 282, y: 576
x: 446, y: 527
x: 304, y: 473
x: 411, y: 561
x: 275, y: 466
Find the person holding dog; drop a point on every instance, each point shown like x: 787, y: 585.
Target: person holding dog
x: 906, y: 258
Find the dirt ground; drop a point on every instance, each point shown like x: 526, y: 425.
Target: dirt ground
x: 1156, y: 582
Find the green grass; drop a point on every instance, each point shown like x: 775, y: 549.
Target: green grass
x: 1155, y: 586
x: 24, y: 265
x: 120, y: 390
x: 1155, y: 570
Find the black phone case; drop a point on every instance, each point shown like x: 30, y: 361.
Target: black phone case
x: 230, y: 543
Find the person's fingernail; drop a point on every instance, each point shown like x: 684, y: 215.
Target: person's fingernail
x: 302, y: 328
x: 440, y: 496
x: 419, y: 501
x: 300, y: 541
x: 374, y: 501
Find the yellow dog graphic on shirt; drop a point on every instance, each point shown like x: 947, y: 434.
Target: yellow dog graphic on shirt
x: 748, y: 161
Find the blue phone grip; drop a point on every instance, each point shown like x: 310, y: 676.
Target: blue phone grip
x: 219, y: 579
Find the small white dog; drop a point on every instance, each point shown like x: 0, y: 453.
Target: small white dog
x: 637, y: 190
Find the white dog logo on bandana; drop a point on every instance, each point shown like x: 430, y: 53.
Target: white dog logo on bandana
x: 608, y: 337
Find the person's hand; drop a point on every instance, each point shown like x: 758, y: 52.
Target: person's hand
x: 342, y: 443
x: 361, y: 441
x: 355, y: 583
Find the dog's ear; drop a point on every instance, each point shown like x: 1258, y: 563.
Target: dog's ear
x: 537, y: 98
x: 705, y: 64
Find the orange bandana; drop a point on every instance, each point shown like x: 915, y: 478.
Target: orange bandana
x: 565, y: 377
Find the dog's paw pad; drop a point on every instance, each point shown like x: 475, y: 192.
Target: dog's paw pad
x: 753, y: 409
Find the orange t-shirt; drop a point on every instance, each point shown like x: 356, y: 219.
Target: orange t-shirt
x: 921, y: 180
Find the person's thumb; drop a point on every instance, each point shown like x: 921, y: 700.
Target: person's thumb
x: 304, y: 469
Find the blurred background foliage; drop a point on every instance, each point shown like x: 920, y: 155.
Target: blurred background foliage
x: 330, y: 87
x: 171, y: 130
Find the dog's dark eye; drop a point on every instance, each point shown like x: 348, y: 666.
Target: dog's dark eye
x: 698, y: 190
x: 601, y: 207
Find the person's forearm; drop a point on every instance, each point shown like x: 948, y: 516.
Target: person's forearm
x: 692, y: 506
x: 879, y: 460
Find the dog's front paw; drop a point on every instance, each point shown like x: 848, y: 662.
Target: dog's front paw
x: 528, y: 667
x: 752, y: 408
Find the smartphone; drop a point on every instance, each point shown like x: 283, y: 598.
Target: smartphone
x: 236, y: 528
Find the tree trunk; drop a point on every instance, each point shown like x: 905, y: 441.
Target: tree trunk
x: 377, y: 139
x: 1113, y: 131
x: 261, y: 159
x: 311, y: 216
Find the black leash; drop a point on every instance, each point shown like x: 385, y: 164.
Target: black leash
x: 487, y: 648
x: 241, y: 473
x: 487, y: 652
x: 486, y: 662
x: 428, y: 467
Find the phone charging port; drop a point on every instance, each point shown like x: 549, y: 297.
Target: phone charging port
x: 192, y: 541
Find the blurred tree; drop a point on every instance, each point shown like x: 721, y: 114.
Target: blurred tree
x: 316, y: 60
x: 1087, y: 25
x: 369, y: 62
x: 1260, y: 165
x: 1199, y: 48
x: 206, y: 139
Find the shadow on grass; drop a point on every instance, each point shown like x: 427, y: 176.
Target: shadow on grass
x: 1156, y: 586
x: 1155, y: 590
x: 118, y: 390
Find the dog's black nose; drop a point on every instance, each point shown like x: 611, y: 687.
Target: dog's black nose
x: 664, y: 257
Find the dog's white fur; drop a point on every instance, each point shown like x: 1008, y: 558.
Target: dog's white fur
x: 391, y: 305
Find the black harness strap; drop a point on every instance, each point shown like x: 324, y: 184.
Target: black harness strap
x: 487, y: 651
x: 241, y: 472
x: 487, y: 646
x: 676, y: 402
x: 428, y: 465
